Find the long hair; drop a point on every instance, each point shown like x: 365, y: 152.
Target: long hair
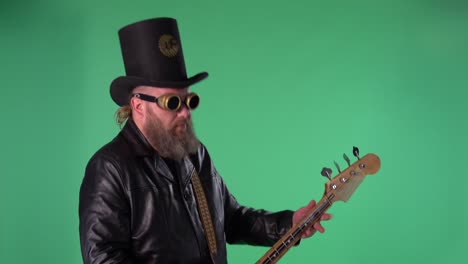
x: 123, y: 114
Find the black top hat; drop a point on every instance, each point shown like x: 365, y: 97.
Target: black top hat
x: 152, y: 54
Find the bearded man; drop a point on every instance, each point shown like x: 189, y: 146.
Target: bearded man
x: 153, y: 195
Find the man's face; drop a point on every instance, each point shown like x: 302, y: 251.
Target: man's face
x: 170, y: 132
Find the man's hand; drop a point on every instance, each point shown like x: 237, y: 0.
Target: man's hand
x: 302, y: 212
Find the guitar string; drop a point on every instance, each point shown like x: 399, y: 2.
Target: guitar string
x: 320, y: 210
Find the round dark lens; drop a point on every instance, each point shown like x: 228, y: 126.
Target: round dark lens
x: 173, y: 103
x: 193, y: 102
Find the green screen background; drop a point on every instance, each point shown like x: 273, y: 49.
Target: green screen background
x: 293, y: 85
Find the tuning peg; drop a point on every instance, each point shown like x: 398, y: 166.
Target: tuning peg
x: 345, y: 157
x: 337, y: 167
x: 326, y: 172
x: 356, y: 152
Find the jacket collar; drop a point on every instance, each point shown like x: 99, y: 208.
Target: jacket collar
x: 136, y: 139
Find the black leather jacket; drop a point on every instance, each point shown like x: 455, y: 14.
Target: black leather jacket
x: 133, y: 209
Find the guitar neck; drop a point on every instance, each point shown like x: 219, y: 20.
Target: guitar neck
x: 295, y: 233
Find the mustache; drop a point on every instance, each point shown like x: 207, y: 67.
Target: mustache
x: 185, y: 121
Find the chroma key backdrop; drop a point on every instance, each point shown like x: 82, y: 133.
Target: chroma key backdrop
x: 293, y: 85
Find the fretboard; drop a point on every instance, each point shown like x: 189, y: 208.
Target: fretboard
x: 294, y: 234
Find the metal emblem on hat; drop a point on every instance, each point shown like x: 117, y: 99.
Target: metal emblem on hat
x: 168, y: 45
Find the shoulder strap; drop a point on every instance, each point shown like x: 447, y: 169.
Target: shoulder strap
x: 204, y: 213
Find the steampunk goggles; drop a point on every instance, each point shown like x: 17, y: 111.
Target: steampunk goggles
x: 171, y: 102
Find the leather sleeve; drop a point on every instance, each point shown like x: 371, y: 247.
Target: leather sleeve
x: 245, y: 225
x: 104, y: 215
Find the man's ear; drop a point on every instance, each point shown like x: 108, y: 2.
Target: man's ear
x: 137, y: 106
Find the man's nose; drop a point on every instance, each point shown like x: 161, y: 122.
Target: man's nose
x: 183, y: 112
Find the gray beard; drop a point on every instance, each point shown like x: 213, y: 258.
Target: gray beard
x: 167, y: 143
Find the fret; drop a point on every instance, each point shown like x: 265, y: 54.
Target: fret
x: 276, y: 254
x: 281, y: 247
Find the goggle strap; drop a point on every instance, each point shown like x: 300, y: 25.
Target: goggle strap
x: 147, y: 98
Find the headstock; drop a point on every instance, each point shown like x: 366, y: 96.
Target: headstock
x: 343, y: 185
